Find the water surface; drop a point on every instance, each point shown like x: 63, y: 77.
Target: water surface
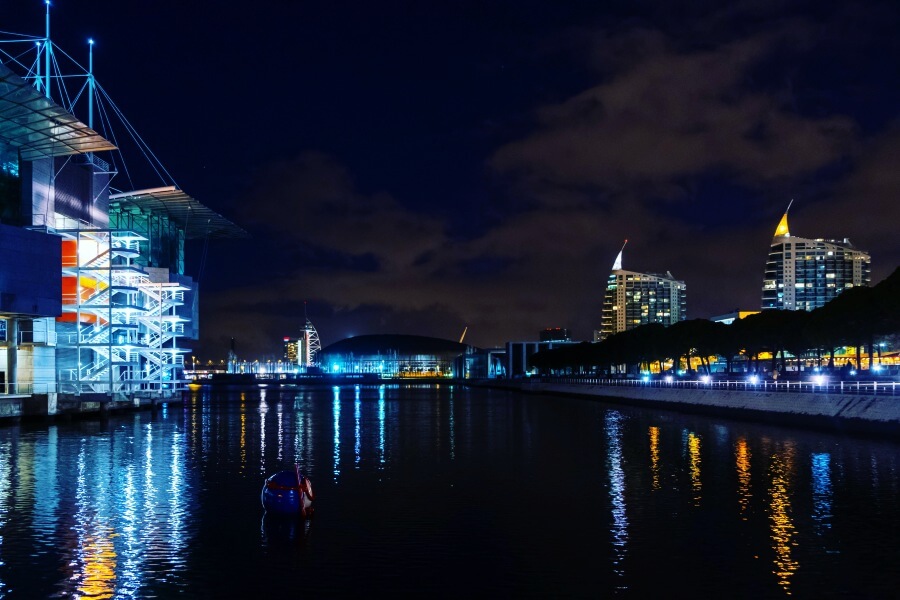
x: 443, y: 491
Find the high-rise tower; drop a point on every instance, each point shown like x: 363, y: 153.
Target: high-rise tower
x: 804, y: 274
x: 633, y: 299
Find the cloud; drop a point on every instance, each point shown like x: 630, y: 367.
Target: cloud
x: 864, y: 204
x: 677, y: 147
x: 673, y: 115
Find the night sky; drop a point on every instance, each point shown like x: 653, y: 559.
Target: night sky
x: 422, y: 167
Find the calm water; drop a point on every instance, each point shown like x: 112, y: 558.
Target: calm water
x: 443, y: 492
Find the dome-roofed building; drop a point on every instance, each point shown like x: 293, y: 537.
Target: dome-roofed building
x: 393, y: 355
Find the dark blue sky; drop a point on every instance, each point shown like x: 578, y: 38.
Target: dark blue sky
x: 422, y: 167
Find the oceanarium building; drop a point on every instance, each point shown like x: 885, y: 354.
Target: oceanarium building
x: 804, y: 274
x: 633, y: 299
x: 94, y: 299
x: 394, y: 356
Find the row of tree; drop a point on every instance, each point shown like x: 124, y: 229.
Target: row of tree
x: 858, y: 317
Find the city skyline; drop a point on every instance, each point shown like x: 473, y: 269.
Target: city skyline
x: 459, y: 166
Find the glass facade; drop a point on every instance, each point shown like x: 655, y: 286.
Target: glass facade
x: 804, y: 274
x: 633, y: 299
x: 163, y: 243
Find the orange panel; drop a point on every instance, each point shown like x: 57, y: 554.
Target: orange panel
x: 69, y: 253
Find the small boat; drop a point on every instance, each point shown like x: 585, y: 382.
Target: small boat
x: 288, y: 493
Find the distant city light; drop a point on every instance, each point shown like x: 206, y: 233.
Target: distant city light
x: 754, y: 379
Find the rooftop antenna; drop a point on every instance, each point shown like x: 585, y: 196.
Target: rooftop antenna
x: 47, y: 50
x: 91, y: 83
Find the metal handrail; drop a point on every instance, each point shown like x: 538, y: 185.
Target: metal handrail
x: 869, y: 388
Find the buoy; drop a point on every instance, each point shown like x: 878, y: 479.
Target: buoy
x: 287, y: 493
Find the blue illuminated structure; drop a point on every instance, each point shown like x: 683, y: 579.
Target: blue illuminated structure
x: 107, y: 312
x: 393, y: 356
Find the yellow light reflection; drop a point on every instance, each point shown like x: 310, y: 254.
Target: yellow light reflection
x: 742, y: 463
x: 782, y: 529
x: 98, y: 557
x: 694, y: 454
x: 654, y: 456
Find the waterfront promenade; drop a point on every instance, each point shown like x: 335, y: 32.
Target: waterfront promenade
x: 854, y: 407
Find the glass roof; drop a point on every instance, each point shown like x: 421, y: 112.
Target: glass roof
x: 197, y: 220
x: 37, y: 126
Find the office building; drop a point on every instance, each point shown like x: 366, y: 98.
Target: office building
x: 804, y: 274
x: 633, y: 299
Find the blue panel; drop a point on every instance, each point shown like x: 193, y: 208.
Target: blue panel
x: 30, y: 272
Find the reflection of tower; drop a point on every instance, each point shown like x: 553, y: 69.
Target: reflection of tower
x: 308, y: 345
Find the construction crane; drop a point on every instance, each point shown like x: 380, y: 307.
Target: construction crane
x: 463, y: 336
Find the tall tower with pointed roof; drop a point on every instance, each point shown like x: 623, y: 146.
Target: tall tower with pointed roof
x: 804, y: 274
x: 633, y: 299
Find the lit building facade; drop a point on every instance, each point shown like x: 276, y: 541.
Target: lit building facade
x: 290, y: 351
x: 633, y: 299
x: 394, y: 356
x: 805, y: 274
x: 303, y: 351
x: 308, y: 346
x: 94, y: 298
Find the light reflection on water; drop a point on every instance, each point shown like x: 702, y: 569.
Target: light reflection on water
x: 784, y: 533
x: 742, y: 463
x: 693, y: 445
x: 619, y: 531
x: 532, y: 496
